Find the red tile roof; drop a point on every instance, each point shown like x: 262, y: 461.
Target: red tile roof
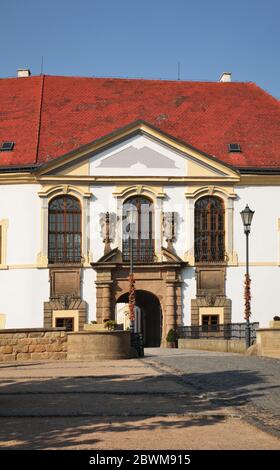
x: 49, y: 116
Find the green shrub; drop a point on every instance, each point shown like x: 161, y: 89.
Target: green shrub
x: 110, y: 324
x: 171, y: 337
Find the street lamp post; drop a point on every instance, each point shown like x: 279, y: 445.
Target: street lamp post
x: 131, y: 295
x: 247, y: 216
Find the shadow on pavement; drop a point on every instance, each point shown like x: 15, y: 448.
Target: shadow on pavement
x: 51, y: 412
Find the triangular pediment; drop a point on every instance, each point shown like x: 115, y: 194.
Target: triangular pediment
x: 114, y: 256
x: 139, y: 150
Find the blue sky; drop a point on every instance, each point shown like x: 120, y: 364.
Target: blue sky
x: 144, y: 38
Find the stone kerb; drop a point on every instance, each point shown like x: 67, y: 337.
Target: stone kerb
x: 35, y: 343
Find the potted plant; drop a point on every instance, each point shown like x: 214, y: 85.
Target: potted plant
x: 110, y: 324
x: 171, y: 338
x: 275, y: 323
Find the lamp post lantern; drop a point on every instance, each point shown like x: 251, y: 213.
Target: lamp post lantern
x: 247, y: 216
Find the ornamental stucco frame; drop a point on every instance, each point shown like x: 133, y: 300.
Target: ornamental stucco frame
x: 228, y: 195
x: 84, y: 196
x: 156, y: 195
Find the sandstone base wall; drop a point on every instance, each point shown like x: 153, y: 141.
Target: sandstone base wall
x: 35, y: 343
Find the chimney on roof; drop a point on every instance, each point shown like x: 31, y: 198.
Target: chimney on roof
x: 225, y: 77
x: 23, y: 73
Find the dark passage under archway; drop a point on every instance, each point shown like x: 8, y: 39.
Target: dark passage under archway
x: 150, y: 316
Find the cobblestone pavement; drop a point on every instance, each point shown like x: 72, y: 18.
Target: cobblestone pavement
x: 133, y: 404
x: 247, y: 383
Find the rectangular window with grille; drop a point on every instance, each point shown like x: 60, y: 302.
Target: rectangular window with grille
x: 210, y: 322
x: 67, y: 323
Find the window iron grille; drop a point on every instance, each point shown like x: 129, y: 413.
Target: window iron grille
x: 64, y: 240
x: 209, y: 230
x: 142, y: 233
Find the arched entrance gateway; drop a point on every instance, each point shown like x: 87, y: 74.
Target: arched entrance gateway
x: 148, y: 318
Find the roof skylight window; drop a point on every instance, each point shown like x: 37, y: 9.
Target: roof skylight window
x: 7, y: 146
x: 234, y: 148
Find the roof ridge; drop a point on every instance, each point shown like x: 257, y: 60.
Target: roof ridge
x: 144, y: 79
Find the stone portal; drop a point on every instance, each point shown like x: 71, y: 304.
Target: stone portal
x: 159, y: 287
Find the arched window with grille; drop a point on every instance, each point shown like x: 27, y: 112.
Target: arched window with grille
x: 209, y: 229
x: 142, y: 230
x: 64, y: 240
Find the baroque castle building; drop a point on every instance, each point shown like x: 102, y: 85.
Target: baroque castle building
x: 80, y: 156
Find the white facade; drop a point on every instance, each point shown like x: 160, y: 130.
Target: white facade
x: 24, y: 282
x: 22, y: 294
x: 21, y: 206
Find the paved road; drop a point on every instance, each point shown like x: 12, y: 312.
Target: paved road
x: 252, y: 384
x: 133, y: 404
